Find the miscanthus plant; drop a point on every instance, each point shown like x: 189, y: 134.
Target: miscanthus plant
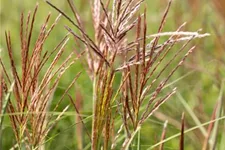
x: 143, y: 64
x: 27, y: 95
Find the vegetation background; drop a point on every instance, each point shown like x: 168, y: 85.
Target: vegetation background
x: 200, y: 81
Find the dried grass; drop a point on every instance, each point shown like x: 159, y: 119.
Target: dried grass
x: 112, y: 43
x: 143, y: 63
x: 33, y: 92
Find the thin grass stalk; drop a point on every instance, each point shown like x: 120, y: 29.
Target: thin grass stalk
x: 14, y: 72
x: 215, y: 132
x: 210, y: 128
x: 4, y: 71
x: 163, y: 135
x: 136, y: 88
x: 160, y: 29
x: 79, y: 133
x: 182, y: 133
x: 143, y: 74
x: 94, y: 137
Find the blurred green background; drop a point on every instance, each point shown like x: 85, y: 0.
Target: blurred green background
x: 200, y: 78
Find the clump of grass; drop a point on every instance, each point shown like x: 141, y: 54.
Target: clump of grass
x: 142, y: 58
x: 34, y: 86
x: 143, y: 64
